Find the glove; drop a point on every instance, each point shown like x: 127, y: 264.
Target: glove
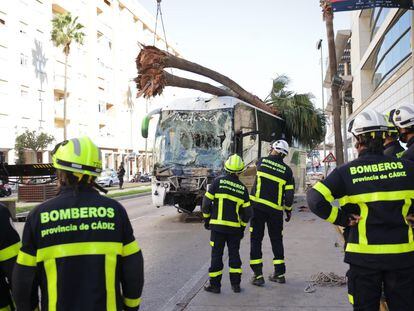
x: 288, y: 215
x: 410, y: 219
x: 207, y: 224
x: 353, y: 220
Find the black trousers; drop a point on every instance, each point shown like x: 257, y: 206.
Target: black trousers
x: 274, y: 221
x: 218, y: 241
x: 365, y: 288
x: 121, y: 182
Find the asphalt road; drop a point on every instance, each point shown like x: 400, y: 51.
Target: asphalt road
x: 176, y: 253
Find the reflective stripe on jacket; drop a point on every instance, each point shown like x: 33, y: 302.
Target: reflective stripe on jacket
x: 274, y: 186
x: 380, y: 190
x: 81, y: 245
x: 231, y: 209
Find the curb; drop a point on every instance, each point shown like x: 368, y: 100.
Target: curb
x: 132, y: 196
x: 21, y: 217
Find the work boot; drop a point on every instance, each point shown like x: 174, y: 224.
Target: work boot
x: 236, y: 288
x: 277, y: 278
x: 257, y: 280
x: 212, y: 289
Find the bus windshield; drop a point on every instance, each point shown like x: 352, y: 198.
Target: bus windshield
x: 193, y: 138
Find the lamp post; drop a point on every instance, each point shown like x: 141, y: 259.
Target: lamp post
x: 319, y: 47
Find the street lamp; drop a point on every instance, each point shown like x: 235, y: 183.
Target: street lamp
x: 320, y: 47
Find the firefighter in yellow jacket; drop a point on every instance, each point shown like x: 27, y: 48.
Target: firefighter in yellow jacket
x: 226, y: 211
x: 79, y: 244
x: 375, y: 195
x: 9, y: 248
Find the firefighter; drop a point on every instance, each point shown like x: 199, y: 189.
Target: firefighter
x: 80, y: 244
x: 392, y: 146
x: 9, y: 248
x: 374, y: 194
x: 226, y: 211
x: 272, y: 194
x: 403, y: 118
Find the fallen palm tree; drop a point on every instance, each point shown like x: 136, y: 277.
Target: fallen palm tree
x: 152, y: 79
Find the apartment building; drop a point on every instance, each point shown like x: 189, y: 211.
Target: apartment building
x: 380, y: 48
x: 101, y: 93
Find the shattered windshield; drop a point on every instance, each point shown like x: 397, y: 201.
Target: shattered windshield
x: 193, y: 138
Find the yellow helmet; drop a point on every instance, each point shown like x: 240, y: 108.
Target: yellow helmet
x: 234, y: 164
x: 78, y: 155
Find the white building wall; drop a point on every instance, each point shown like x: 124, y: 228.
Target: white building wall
x: 102, y: 95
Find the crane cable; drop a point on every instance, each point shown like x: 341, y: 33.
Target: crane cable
x: 159, y: 14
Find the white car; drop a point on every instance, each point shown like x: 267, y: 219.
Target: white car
x: 108, y: 178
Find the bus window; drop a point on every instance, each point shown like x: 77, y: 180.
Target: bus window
x: 270, y: 128
x: 250, y: 148
x: 265, y: 148
x: 244, y: 118
x: 247, y: 145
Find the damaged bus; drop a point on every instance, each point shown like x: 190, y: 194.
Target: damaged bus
x: 193, y: 139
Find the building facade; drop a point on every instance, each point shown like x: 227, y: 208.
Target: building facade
x: 381, y: 47
x: 101, y: 93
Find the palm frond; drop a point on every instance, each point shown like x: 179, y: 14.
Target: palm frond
x: 304, y: 122
x: 66, y: 29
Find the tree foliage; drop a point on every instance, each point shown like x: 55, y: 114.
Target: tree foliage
x: 304, y: 122
x: 66, y: 29
x: 33, y: 141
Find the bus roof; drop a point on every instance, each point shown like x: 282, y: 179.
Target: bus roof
x: 213, y: 103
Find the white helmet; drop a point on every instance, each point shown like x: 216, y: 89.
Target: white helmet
x: 367, y: 122
x: 403, y: 117
x: 281, y: 146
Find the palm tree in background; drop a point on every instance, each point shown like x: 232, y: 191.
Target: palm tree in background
x: 65, y: 30
x: 304, y: 122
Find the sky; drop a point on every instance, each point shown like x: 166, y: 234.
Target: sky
x: 251, y: 41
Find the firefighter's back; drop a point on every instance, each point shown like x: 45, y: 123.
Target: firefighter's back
x: 79, y: 240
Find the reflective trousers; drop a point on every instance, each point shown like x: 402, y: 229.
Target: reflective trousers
x: 274, y: 221
x: 365, y: 288
x: 218, y: 241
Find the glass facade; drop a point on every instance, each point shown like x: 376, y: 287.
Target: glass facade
x: 394, y: 48
x: 377, y: 19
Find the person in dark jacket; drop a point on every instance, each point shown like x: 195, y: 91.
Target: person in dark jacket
x: 272, y: 194
x: 392, y: 147
x: 226, y: 211
x: 403, y: 118
x: 375, y: 195
x: 121, y: 174
x: 79, y: 244
x: 9, y: 248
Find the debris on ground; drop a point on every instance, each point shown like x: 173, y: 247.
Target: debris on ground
x: 325, y: 280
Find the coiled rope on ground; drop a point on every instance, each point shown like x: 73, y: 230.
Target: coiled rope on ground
x: 324, y: 279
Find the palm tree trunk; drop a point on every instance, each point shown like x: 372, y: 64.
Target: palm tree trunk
x: 65, y: 97
x: 336, y: 104
x: 151, y: 61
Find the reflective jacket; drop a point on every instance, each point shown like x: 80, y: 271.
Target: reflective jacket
x: 230, y: 209
x: 409, y: 153
x: 380, y: 189
x: 274, y: 186
x: 9, y: 248
x: 394, y: 149
x: 83, y: 249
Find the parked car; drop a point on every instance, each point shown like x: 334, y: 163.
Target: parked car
x: 145, y: 178
x: 108, y: 178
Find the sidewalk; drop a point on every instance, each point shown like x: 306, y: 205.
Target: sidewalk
x: 128, y: 190
x: 309, y: 249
